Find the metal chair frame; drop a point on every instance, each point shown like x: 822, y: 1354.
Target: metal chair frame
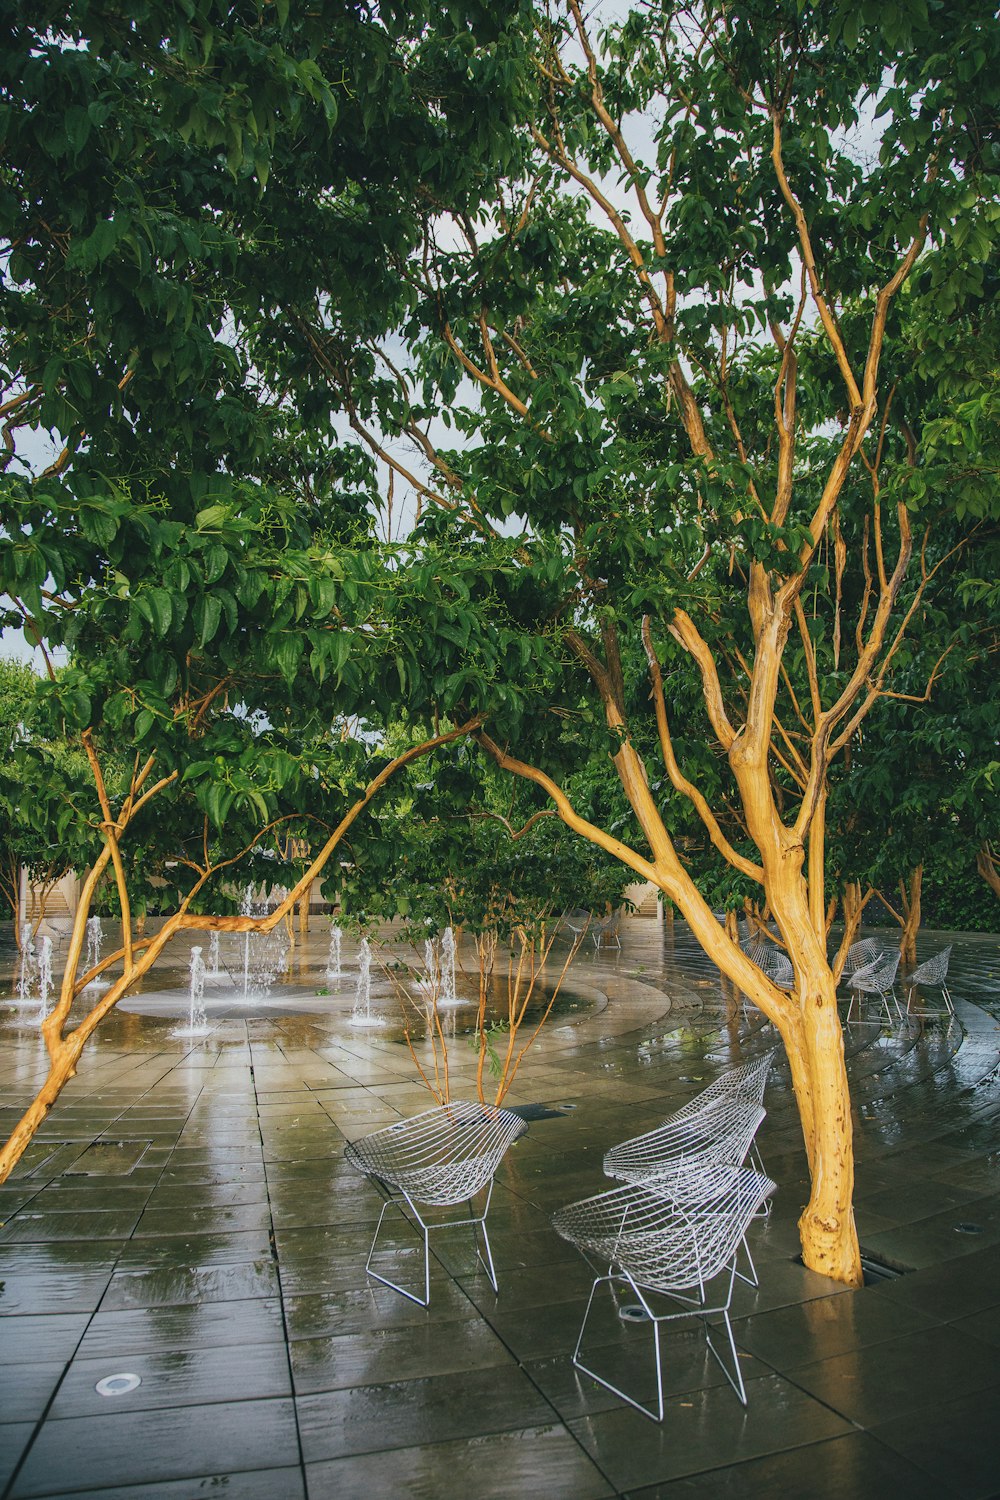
x: 747, y: 1081
x: 683, y: 1153
x: 932, y: 974
x: 862, y: 953
x: 876, y: 978
x: 660, y: 1241
x: 446, y: 1155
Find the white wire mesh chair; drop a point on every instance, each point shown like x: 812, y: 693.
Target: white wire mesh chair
x: 932, y: 974
x: 862, y: 953
x: 876, y: 978
x: 606, y: 929
x: 747, y: 1079
x: 775, y: 964
x: 723, y: 1128
x: 443, y: 1156
x: 661, y: 1242
x: 686, y: 1150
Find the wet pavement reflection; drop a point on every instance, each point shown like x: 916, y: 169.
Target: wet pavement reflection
x: 185, y: 1216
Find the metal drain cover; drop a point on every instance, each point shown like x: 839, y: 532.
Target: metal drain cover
x: 117, y: 1385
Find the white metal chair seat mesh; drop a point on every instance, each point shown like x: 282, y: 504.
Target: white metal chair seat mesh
x: 933, y: 974
x: 748, y: 1079
x: 862, y: 953
x: 669, y: 1240
x: 665, y: 1238
x: 444, y: 1155
x: 772, y: 962
x: 723, y: 1129
x: 877, y: 978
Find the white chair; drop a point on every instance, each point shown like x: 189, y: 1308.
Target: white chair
x: 933, y: 974
x: 668, y: 1242
x: 444, y: 1156
x: 747, y: 1079
x: 876, y: 978
x: 862, y: 953
x: 685, y: 1148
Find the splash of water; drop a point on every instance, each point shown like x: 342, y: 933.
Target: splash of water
x: 28, y: 971
x: 44, y: 974
x: 197, y: 1017
x: 212, y: 968
x: 362, y: 1014
x: 447, y: 976
x: 333, y: 961
x: 95, y: 942
x: 263, y: 955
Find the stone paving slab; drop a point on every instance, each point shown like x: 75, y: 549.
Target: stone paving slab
x: 226, y: 1267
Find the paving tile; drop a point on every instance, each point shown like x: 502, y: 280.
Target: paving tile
x: 14, y: 1439
x: 383, y: 1354
x: 406, y: 1413
x: 958, y: 1444
x: 196, y: 1249
x: 199, y: 1325
x: 51, y: 1289
x: 537, y: 1461
x: 174, y: 1377
x: 854, y: 1467
x: 179, y: 1285
x: 912, y: 1373
x: 37, y: 1226
x: 634, y: 1451
x: 268, y: 1484
x: 140, y: 1447
x: 825, y: 1326
x: 359, y: 1309
x: 40, y: 1338
x: 26, y: 1388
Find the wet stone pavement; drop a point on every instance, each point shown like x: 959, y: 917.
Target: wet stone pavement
x: 186, y: 1216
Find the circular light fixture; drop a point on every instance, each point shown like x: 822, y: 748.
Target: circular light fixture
x: 117, y: 1385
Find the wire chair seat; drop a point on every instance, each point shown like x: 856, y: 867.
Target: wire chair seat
x: 722, y: 1129
x: 444, y: 1156
x: 933, y: 974
x: 668, y: 1239
x: 862, y: 953
x: 772, y: 962
x: 747, y: 1079
x: 876, y: 978
x: 685, y: 1154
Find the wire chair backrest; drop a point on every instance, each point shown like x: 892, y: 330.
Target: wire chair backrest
x: 877, y: 977
x: 933, y: 970
x: 747, y: 1079
x: 863, y: 953
x: 443, y: 1155
x: 722, y: 1131
x: 667, y: 1240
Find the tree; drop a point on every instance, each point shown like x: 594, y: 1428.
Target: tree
x: 208, y: 571
x: 668, y: 357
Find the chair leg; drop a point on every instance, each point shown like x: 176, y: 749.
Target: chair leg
x: 734, y: 1374
x: 394, y: 1285
x: 653, y: 1415
x: 480, y: 1223
x: 751, y: 1279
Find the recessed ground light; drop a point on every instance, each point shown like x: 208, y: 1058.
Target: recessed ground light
x: 968, y: 1228
x: 117, y: 1385
x: 633, y: 1313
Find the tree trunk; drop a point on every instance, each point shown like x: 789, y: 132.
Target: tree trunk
x: 911, y: 915
x: 986, y: 865
x: 814, y: 1044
